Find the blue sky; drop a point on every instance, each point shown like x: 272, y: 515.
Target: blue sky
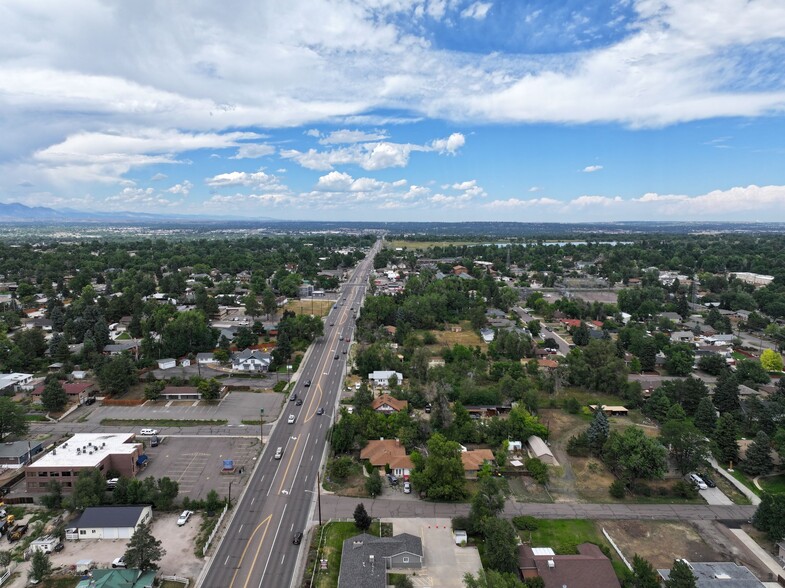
x: 444, y: 110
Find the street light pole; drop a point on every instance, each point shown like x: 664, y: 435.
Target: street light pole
x: 261, y: 425
x: 230, y: 493
x: 319, y: 495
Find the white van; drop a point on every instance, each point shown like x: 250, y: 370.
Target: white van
x: 698, y: 481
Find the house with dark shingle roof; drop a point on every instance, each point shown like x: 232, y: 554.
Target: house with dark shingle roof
x: 365, y: 559
x: 590, y: 568
x: 108, y: 522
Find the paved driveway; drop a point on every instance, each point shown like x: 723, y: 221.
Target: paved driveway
x: 715, y: 496
x: 445, y: 563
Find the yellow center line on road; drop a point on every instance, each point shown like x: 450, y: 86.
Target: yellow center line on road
x: 247, y: 544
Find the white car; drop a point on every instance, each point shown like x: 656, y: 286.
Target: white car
x: 148, y: 432
x: 119, y: 562
x: 184, y: 516
x: 291, y: 419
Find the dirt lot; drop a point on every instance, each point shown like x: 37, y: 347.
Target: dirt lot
x: 177, y: 541
x: 661, y: 541
x: 195, y: 463
x: 316, y: 308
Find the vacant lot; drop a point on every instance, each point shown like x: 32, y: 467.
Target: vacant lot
x: 467, y: 337
x: 660, y: 542
x: 314, y: 307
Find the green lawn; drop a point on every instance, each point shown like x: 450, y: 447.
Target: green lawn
x: 774, y: 485
x: 564, y: 536
x: 741, y: 477
x: 35, y: 417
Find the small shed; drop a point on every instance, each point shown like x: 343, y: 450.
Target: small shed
x: 610, y: 410
x: 167, y: 363
x: 538, y: 448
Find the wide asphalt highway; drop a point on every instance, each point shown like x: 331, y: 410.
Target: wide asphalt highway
x: 257, y: 549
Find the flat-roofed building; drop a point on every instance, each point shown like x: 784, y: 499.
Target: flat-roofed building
x: 85, y: 451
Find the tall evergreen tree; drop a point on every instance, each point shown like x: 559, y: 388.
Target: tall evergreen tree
x: 706, y: 416
x: 643, y: 574
x: 53, y: 396
x: 144, y: 550
x: 681, y: 576
x: 598, y: 431
x: 725, y: 437
x: 726, y: 393
x: 758, y: 458
x: 362, y: 520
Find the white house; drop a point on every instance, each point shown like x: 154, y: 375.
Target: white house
x: 206, y: 358
x: 109, y: 522
x: 382, y: 377
x: 167, y: 363
x: 46, y: 544
x: 15, y: 381
x: 251, y: 360
x: 488, y: 335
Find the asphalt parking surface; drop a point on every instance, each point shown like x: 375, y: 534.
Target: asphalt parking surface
x: 444, y: 563
x: 196, y: 463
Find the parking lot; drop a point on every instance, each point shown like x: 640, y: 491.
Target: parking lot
x: 235, y: 408
x: 195, y: 463
x: 177, y: 541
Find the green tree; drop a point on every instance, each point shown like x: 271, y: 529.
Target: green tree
x: 252, y: 307
x: 706, y: 416
x: 771, y: 360
x: 580, y: 335
x: 725, y: 435
x: 679, y: 359
x: 12, y: 419
x: 209, y: 389
x: 726, y: 393
x: 167, y: 492
x: 440, y: 475
x: 89, y: 489
x: 758, y: 458
x: 212, y: 502
x: 492, y: 579
x: 403, y: 582
x: 152, y: 391
x: 5, y: 559
x: 373, y: 485
x: 488, y: 502
x: 680, y: 576
x: 53, y: 499
x: 751, y: 373
x: 41, y: 567
x: 501, y: 545
x: 53, y: 396
x: 269, y: 304
x: 712, y: 364
x: 770, y: 516
x: 598, y: 432
x: 688, y: 446
x: 144, y: 550
x: 643, y: 574
x: 633, y: 456
x: 362, y: 520
x: 117, y: 375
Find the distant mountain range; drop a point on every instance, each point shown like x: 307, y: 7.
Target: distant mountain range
x: 14, y: 212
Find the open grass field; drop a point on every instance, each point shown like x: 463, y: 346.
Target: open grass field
x: 467, y: 337
x: 314, y: 307
x: 773, y: 484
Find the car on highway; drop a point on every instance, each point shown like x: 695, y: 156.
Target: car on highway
x: 148, y: 432
x: 119, y: 562
x: 279, y: 453
x: 293, y: 397
x: 291, y: 419
x: 336, y: 356
x: 307, y: 383
x: 183, y: 518
x: 344, y: 351
x: 299, y: 402
x: 320, y: 411
x: 298, y: 538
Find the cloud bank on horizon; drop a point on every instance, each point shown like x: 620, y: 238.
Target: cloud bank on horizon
x: 397, y: 109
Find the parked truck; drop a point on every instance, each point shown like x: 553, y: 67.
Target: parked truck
x: 17, y: 530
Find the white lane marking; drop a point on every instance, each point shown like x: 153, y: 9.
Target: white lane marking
x: 226, y: 563
x: 264, y: 571
x: 283, y: 558
x: 299, y: 463
x: 240, y: 530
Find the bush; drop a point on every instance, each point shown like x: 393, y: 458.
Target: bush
x: 684, y: 489
x: 525, y: 523
x: 279, y: 386
x: 617, y: 489
x: 373, y: 485
x: 537, y: 469
x: 641, y: 489
x: 578, y: 445
x: 340, y: 468
x: 572, y: 405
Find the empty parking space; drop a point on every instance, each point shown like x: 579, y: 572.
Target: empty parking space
x: 196, y: 463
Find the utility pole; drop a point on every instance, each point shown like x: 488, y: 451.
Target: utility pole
x: 261, y: 425
x: 319, y: 495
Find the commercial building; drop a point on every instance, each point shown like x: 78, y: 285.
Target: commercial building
x: 85, y: 451
x: 108, y: 522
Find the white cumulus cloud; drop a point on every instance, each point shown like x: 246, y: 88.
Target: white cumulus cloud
x: 591, y: 169
x: 477, y: 11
